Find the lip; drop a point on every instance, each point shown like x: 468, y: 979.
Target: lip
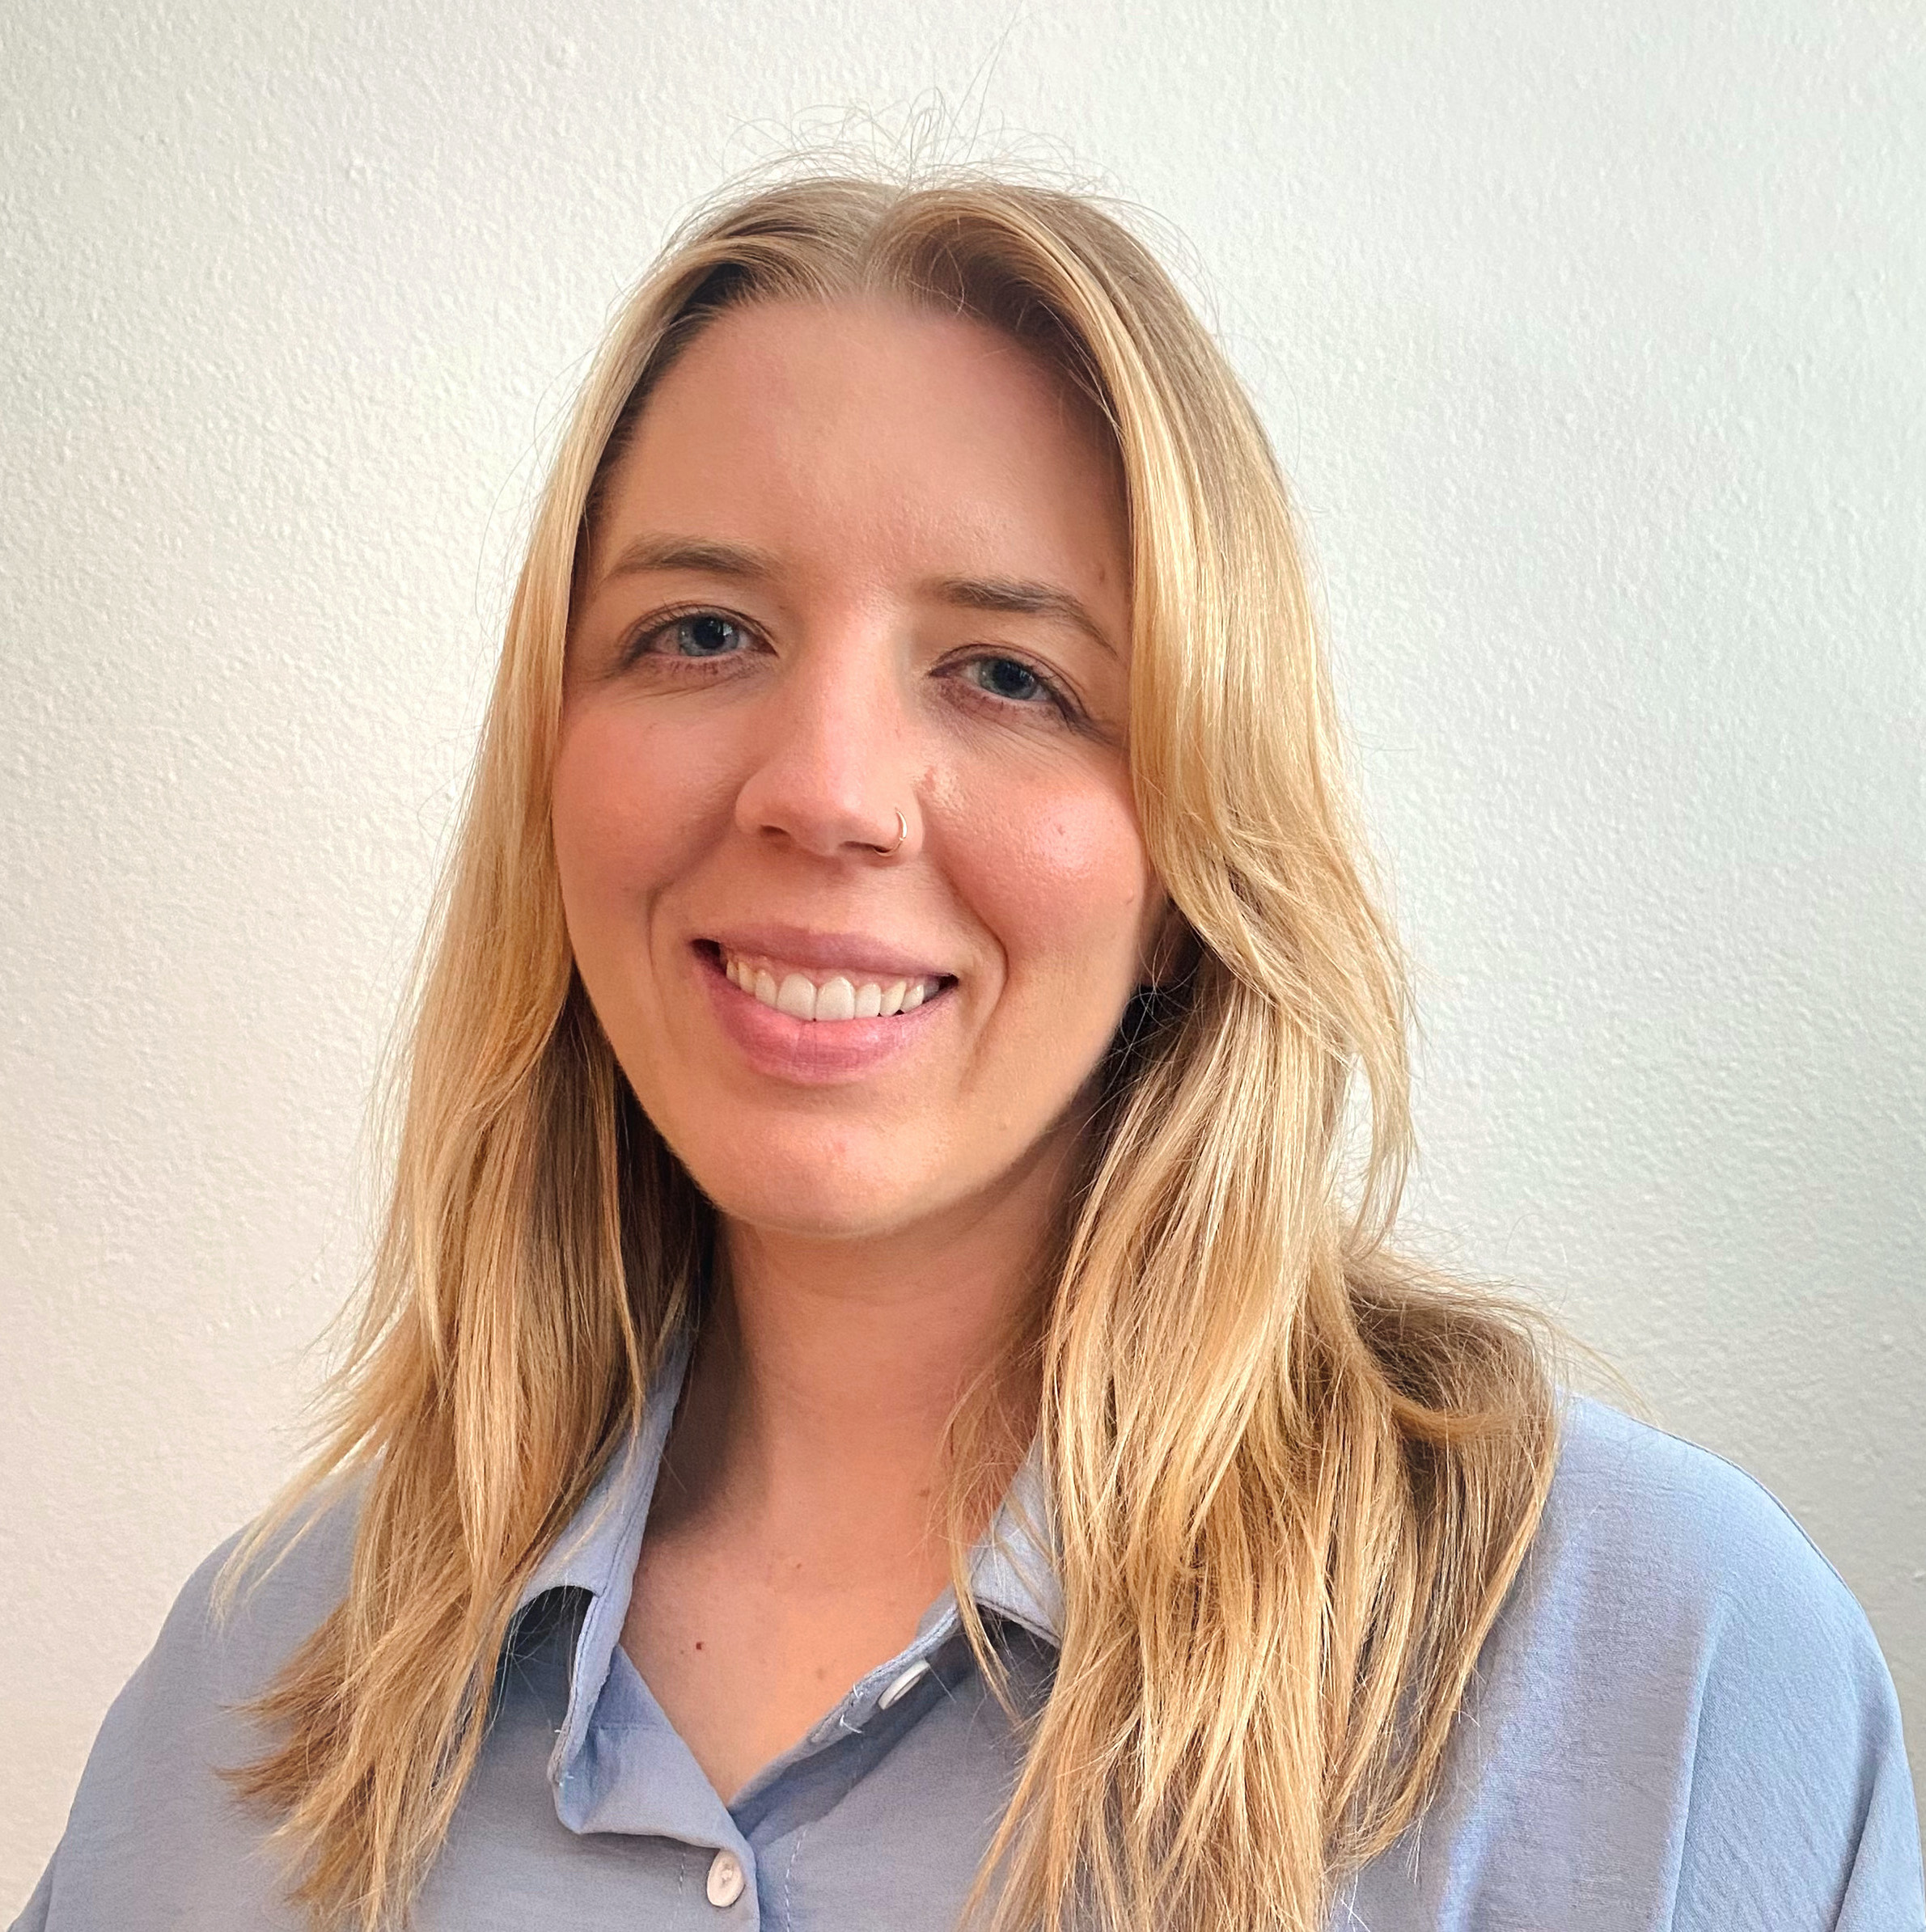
x: 852, y: 953
x: 813, y: 1052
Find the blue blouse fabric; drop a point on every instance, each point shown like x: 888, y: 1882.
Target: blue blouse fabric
x: 1681, y: 1720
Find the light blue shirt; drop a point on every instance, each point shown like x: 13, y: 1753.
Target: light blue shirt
x: 1681, y: 1720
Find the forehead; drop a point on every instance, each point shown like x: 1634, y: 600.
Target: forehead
x: 877, y: 435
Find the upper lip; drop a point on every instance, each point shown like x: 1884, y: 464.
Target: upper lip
x: 851, y: 953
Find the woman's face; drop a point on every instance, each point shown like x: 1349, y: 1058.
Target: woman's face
x: 858, y: 560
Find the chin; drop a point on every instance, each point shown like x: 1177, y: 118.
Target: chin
x: 815, y: 1200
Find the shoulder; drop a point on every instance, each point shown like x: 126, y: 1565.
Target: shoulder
x: 155, y: 1836
x: 1662, y: 1572
x: 231, y: 1641
x: 1645, y: 1527
x: 1681, y: 1719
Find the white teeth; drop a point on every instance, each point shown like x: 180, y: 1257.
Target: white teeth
x: 841, y: 998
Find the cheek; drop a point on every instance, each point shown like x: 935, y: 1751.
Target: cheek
x: 1061, y: 878
x: 628, y: 804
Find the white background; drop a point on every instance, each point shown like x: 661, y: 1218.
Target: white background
x: 1591, y: 336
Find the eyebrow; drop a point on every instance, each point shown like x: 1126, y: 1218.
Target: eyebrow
x: 1020, y: 598
x: 647, y: 553
x: 1016, y: 597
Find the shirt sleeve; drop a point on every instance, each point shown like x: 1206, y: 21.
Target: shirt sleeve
x: 136, y: 1827
x: 1801, y: 1811
x: 1680, y: 1722
x: 33, y: 1914
x: 156, y: 1837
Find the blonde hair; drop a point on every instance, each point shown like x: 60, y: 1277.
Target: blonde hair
x: 1292, y: 1478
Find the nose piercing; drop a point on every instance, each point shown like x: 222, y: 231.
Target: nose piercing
x: 902, y: 833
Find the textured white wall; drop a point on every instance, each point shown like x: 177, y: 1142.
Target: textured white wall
x: 1590, y: 334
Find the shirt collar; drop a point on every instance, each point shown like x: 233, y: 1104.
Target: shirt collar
x: 1013, y: 1568
x: 597, y: 1551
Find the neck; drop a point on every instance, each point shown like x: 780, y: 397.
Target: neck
x: 829, y: 1369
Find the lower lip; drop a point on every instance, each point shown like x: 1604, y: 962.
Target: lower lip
x: 811, y: 1052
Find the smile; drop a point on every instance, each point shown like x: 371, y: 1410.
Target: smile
x: 821, y: 996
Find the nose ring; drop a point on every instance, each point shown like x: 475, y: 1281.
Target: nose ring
x: 902, y: 834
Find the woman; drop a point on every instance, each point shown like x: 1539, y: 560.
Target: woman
x: 880, y: 1405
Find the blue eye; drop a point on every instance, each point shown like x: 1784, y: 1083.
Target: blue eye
x: 706, y: 634
x: 1008, y: 678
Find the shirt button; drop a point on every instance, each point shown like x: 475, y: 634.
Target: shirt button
x: 725, y: 1884
x: 902, y: 1687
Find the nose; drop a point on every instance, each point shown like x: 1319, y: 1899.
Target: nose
x: 833, y: 765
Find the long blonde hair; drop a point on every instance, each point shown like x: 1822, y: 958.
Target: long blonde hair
x: 1292, y: 1478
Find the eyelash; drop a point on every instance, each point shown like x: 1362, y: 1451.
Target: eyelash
x: 1055, y: 697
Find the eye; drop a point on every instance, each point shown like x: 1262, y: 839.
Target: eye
x: 700, y: 634
x: 1009, y: 677
x: 697, y: 636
